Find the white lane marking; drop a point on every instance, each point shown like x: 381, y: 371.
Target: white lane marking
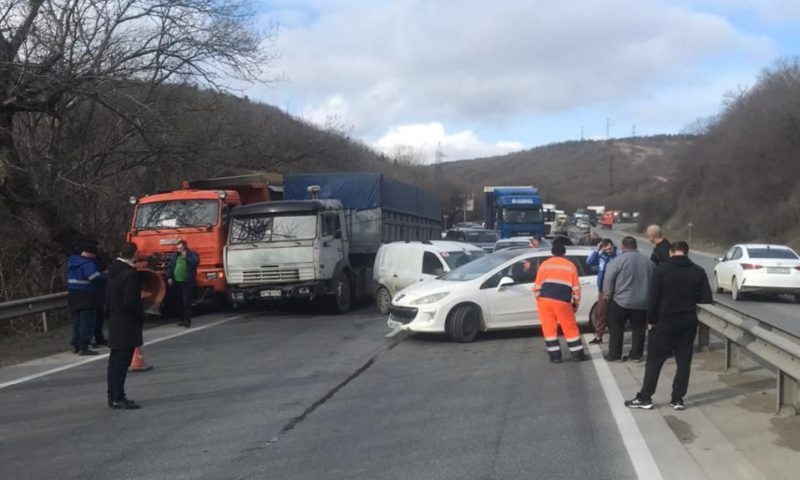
x: 105, y: 355
x: 641, y: 458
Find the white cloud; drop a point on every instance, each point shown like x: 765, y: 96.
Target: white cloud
x: 424, y: 138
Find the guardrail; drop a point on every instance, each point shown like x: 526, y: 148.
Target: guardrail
x: 743, y: 333
x: 33, y: 305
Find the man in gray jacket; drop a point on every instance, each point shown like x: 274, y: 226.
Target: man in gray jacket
x: 626, y: 286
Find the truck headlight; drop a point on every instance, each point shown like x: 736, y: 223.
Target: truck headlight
x: 430, y: 299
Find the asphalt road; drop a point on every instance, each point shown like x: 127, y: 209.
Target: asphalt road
x: 778, y: 311
x: 319, y: 397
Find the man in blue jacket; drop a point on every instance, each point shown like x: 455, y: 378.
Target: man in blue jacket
x: 84, y: 278
x: 606, y: 251
x: 181, y: 273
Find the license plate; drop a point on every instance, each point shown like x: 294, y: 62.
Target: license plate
x: 270, y: 293
x: 783, y: 270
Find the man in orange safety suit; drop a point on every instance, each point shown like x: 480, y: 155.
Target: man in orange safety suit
x: 558, y: 295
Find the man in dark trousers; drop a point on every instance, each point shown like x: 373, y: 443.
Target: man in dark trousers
x: 626, y: 284
x: 181, y: 273
x: 125, y: 322
x: 83, y: 280
x: 661, y: 250
x: 678, y: 286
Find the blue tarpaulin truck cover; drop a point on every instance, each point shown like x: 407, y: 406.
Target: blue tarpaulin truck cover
x: 363, y: 191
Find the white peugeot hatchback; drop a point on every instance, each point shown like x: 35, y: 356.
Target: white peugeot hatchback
x: 758, y: 268
x: 490, y: 293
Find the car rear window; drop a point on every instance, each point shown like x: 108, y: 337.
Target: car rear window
x: 783, y: 253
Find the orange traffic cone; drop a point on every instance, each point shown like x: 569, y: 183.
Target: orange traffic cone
x: 137, y: 362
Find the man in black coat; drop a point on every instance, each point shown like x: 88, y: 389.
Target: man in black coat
x: 125, y: 322
x: 677, y: 287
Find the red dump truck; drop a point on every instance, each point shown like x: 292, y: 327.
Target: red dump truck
x: 199, y: 213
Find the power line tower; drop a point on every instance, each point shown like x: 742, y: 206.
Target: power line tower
x: 437, y: 162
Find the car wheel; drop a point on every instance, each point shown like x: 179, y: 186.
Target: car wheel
x: 736, y: 295
x: 383, y: 300
x: 464, y: 324
x: 592, y: 314
x: 341, y: 299
x: 716, y: 284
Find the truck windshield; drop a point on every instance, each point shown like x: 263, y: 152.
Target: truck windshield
x: 273, y: 228
x: 520, y: 215
x: 177, y: 214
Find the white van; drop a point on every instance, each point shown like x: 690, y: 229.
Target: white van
x: 400, y: 264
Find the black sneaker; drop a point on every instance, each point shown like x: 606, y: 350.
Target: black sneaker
x: 124, y: 405
x: 677, y: 404
x: 639, y: 402
x: 596, y: 341
x: 86, y: 352
x: 613, y: 359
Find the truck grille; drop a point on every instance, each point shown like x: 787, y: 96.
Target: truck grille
x: 271, y: 274
x: 403, y: 315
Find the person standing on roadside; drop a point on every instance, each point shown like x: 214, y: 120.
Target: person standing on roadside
x: 181, y: 273
x: 626, y: 285
x: 83, y: 279
x: 558, y: 295
x: 606, y: 251
x: 125, y: 322
x: 678, y: 286
x: 661, y: 250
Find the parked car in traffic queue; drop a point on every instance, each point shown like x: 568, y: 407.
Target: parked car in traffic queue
x: 479, y: 237
x: 400, y: 264
x: 517, y: 242
x: 491, y: 293
x: 758, y: 268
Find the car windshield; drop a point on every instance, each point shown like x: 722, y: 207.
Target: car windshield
x: 479, y: 267
x: 481, y: 236
x: 522, y: 215
x: 177, y: 214
x: 273, y: 228
x: 457, y: 259
x: 782, y: 253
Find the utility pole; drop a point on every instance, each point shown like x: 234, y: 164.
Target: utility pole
x: 581, y: 133
x: 633, y: 131
x: 608, y: 128
x: 437, y: 163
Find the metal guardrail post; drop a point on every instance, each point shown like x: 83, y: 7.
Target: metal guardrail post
x: 788, y: 400
x: 732, y: 353
x: 44, y: 321
x: 703, y: 338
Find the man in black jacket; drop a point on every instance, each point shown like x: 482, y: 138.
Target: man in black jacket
x: 125, y: 322
x: 677, y: 287
x: 662, y: 246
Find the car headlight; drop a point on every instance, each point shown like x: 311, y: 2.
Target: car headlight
x: 430, y: 299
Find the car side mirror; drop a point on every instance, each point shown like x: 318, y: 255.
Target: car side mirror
x: 505, y: 282
x: 721, y: 259
x: 337, y: 234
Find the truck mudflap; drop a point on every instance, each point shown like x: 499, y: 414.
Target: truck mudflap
x: 276, y: 293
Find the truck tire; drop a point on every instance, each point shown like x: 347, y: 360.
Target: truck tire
x: 342, y: 297
x: 464, y: 324
x: 383, y: 300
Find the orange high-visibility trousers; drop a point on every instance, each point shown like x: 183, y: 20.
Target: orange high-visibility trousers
x: 553, y: 313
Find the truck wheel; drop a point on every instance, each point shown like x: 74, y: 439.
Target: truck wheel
x: 383, y: 300
x: 341, y: 299
x: 464, y: 324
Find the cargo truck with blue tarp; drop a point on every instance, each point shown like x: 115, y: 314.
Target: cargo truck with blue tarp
x: 320, y: 241
x: 514, y: 211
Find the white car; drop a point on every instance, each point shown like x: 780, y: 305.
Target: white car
x: 400, y: 264
x: 517, y: 242
x: 760, y: 268
x: 491, y: 293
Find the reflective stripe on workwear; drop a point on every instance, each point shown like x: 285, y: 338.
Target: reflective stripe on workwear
x: 75, y: 281
x: 552, y: 345
x: 575, y: 345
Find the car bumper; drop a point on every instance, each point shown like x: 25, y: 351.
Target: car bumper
x: 771, y: 283
x: 416, y: 319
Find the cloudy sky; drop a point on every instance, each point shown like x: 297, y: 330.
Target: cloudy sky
x: 485, y: 77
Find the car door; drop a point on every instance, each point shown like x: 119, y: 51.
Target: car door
x: 432, y: 267
x: 331, y: 248
x: 723, y: 269
x: 512, y: 305
x: 409, y: 266
x: 587, y: 276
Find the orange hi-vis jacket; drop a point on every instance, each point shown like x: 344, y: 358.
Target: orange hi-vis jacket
x: 557, y: 279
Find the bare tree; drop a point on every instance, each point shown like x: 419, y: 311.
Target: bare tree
x: 57, y: 54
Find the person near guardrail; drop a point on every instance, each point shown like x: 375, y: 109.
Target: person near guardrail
x: 181, y: 272
x: 606, y: 251
x: 125, y: 322
x: 558, y: 295
x: 662, y: 246
x: 626, y: 285
x: 83, y: 279
x: 678, y: 286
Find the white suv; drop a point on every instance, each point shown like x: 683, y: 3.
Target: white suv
x: 400, y: 264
